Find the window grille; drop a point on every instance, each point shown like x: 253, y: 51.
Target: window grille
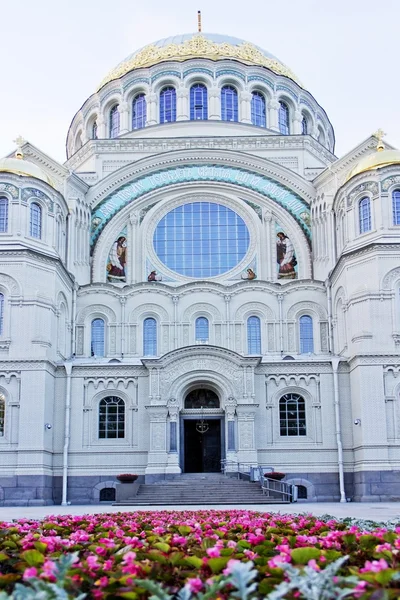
x: 364, y: 210
x: 168, y: 105
x: 114, y: 121
x: 2, y: 413
x: 94, y: 131
x: 3, y: 215
x: 254, y: 335
x: 258, y: 114
x: 229, y: 104
x: 111, y: 418
x: 304, y: 126
x: 395, y: 207
x: 283, y: 118
x: 150, y: 337
x: 306, y: 334
x: 139, y: 111
x: 292, y: 415
x: 97, y: 338
x: 36, y: 221
x: 202, y: 329
x: 198, y: 102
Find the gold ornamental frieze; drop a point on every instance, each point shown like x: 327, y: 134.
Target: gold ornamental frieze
x: 198, y: 47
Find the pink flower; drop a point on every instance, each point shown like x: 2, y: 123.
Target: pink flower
x: 375, y: 566
x: 312, y: 563
x: 195, y: 585
x: 230, y: 566
x: 231, y: 544
x: 213, y: 552
x: 29, y: 573
x: 102, y: 582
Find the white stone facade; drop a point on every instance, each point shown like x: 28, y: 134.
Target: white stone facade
x: 54, y: 285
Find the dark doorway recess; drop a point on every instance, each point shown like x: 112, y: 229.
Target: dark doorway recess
x: 202, y: 450
x: 202, y: 398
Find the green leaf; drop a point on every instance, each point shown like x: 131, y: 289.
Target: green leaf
x: 194, y: 561
x: 162, y: 546
x: 303, y: 555
x: 3, y: 556
x: 184, y: 529
x: 244, y: 544
x: 217, y: 564
x: 40, y: 546
x: 33, y: 557
x: 332, y: 554
x: 385, y: 576
x: 176, y: 558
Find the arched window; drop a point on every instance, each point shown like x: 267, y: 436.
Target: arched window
x: 114, y: 121
x: 149, y: 337
x: 229, y: 104
x: 321, y: 136
x: 306, y: 334
x: 94, y: 131
x: 364, y: 214
x: 3, y: 214
x: 258, y: 109
x: 292, y: 415
x: 304, y: 125
x: 283, y: 118
x: 2, y: 413
x: 1, y: 313
x: 198, y: 102
x: 112, y: 418
x: 201, y: 329
x: 202, y: 398
x: 97, y: 338
x: 253, y: 335
x: 168, y: 105
x: 107, y: 495
x: 139, y: 111
x: 301, y: 492
x: 395, y: 207
x: 36, y: 221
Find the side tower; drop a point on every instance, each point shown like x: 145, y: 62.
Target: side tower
x: 366, y: 308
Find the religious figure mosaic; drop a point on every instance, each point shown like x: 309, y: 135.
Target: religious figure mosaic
x: 285, y: 256
x: 116, y: 264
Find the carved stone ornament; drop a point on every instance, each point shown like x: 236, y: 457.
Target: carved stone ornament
x: 389, y: 181
x: 198, y: 47
x: 11, y: 189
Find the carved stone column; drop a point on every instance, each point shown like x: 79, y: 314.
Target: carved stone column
x: 245, y: 107
x: 152, y: 117
x: 124, y: 118
x: 231, y: 446
x: 273, y: 115
x: 297, y: 119
x: 182, y: 108
x: 247, y: 452
x: 173, y: 455
x: 214, y: 104
x: 101, y: 127
x: 157, y: 457
x: 132, y: 275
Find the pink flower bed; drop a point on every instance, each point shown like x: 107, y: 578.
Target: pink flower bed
x: 193, y: 549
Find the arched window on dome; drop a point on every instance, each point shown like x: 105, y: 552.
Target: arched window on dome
x: 97, y: 347
x: 283, y: 118
x: 364, y: 214
x: 306, y: 334
x: 321, y: 136
x: 395, y: 207
x: 1, y: 314
x: 2, y: 413
x: 114, y: 121
x: 229, y: 104
x: 150, y: 337
x: 3, y: 214
x: 304, y: 125
x: 198, y: 102
x: 258, y: 114
x: 139, y: 111
x: 292, y: 415
x: 168, y: 105
x: 111, y: 418
x: 202, y: 328
x: 35, y: 225
x: 253, y: 335
x: 94, y: 130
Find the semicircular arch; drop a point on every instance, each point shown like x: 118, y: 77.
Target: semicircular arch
x: 149, y: 310
x: 256, y: 308
x: 300, y: 307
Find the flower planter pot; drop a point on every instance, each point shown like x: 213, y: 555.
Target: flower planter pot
x: 127, y: 478
x: 275, y: 475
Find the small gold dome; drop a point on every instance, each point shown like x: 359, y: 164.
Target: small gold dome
x: 380, y: 158
x: 19, y: 166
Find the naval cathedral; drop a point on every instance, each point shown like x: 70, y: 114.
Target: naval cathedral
x: 202, y: 282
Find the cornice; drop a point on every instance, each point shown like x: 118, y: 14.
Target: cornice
x: 365, y: 250
x: 224, y: 290
x: 38, y: 256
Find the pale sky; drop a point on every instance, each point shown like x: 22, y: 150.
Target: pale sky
x: 55, y: 53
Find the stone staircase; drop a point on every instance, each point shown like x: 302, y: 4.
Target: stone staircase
x: 200, y: 488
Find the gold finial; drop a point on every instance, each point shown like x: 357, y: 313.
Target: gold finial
x: 379, y: 135
x: 199, y: 21
x: 19, y: 141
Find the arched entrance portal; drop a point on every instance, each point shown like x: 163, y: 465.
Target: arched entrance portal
x: 202, y: 432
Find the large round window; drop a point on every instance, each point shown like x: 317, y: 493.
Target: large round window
x: 201, y: 239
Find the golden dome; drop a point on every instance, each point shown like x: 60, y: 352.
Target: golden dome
x: 199, y: 45
x: 19, y: 166
x: 380, y: 158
